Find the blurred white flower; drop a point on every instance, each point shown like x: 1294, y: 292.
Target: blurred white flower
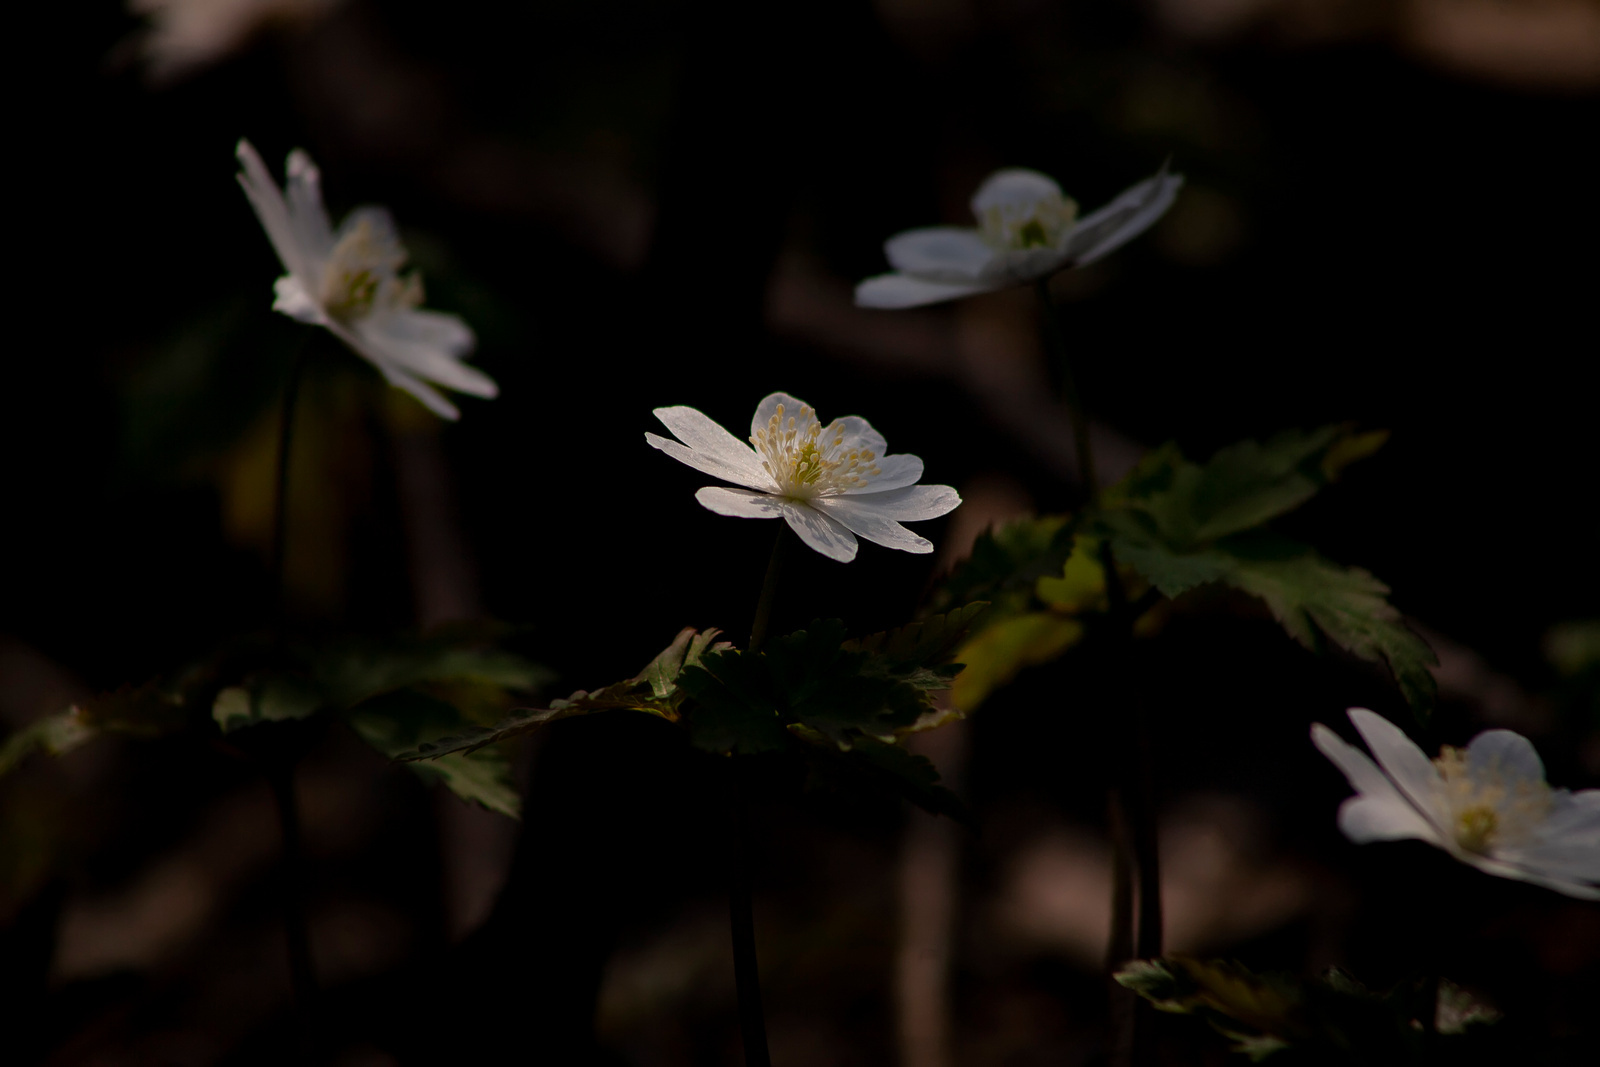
x: 348, y: 280
x: 185, y: 35
x: 1027, y: 229
x: 831, y: 483
x: 1487, y: 804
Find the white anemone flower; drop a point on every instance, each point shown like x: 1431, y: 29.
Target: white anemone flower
x: 348, y: 280
x: 1487, y: 804
x: 1027, y: 229
x: 831, y: 483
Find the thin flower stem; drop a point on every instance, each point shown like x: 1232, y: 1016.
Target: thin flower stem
x: 280, y: 771
x: 741, y: 908
x: 280, y: 510
x: 741, y: 918
x: 1120, y: 948
x: 1069, y: 386
x: 302, y: 973
x: 769, y: 591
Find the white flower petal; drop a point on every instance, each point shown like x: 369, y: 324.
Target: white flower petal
x: 1574, y: 857
x: 396, y: 374
x: 739, y: 503
x: 1357, y: 767
x: 769, y: 407
x: 381, y: 229
x: 721, y: 454
x: 1014, y: 186
x: 909, y: 504
x: 1499, y: 868
x: 893, y: 291
x: 1574, y: 813
x: 857, y: 433
x: 894, y: 472
x: 313, y: 231
x: 273, y: 212
x: 1412, y: 772
x: 1505, y: 754
x: 940, y: 253
x: 292, y: 299
x: 1135, y: 210
x: 436, y: 329
x: 863, y: 520
x: 401, y: 338
x: 819, y: 532
x: 1370, y: 817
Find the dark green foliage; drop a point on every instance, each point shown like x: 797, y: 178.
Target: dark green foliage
x: 397, y: 695
x: 1180, y: 526
x: 813, y: 693
x: 54, y: 734
x: 1005, y: 562
x: 401, y: 720
x: 655, y: 690
x: 1328, y: 1020
x: 1241, y: 488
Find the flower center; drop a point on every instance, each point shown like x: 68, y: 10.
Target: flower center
x: 1486, y: 811
x: 808, y: 459
x: 1040, y: 223
x: 363, y: 273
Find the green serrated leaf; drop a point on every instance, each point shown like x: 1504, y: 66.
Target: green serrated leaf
x: 926, y: 642
x: 1328, y: 1020
x: 735, y: 708
x: 398, y: 722
x: 1240, y: 488
x: 912, y: 775
x: 484, y: 778
x: 1006, y: 561
x: 1314, y: 598
x: 656, y: 690
x: 54, y: 735
x: 995, y: 655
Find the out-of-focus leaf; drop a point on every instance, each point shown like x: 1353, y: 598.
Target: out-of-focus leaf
x: 457, y: 665
x: 403, y: 720
x: 54, y: 734
x: 1573, y: 648
x: 1314, y: 599
x: 1331, y: 1019
x: 1240, y: 488
x: 656, y: 690
x: 925, y: 642
x: 273, y: 698
x: 147, y: 710
x: 993, y: 656
x: 1006, y: 561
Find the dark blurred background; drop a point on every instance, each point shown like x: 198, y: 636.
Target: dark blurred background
x: 1388, y: 219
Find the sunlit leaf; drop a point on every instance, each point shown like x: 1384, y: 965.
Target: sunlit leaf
x: 997, y: 653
